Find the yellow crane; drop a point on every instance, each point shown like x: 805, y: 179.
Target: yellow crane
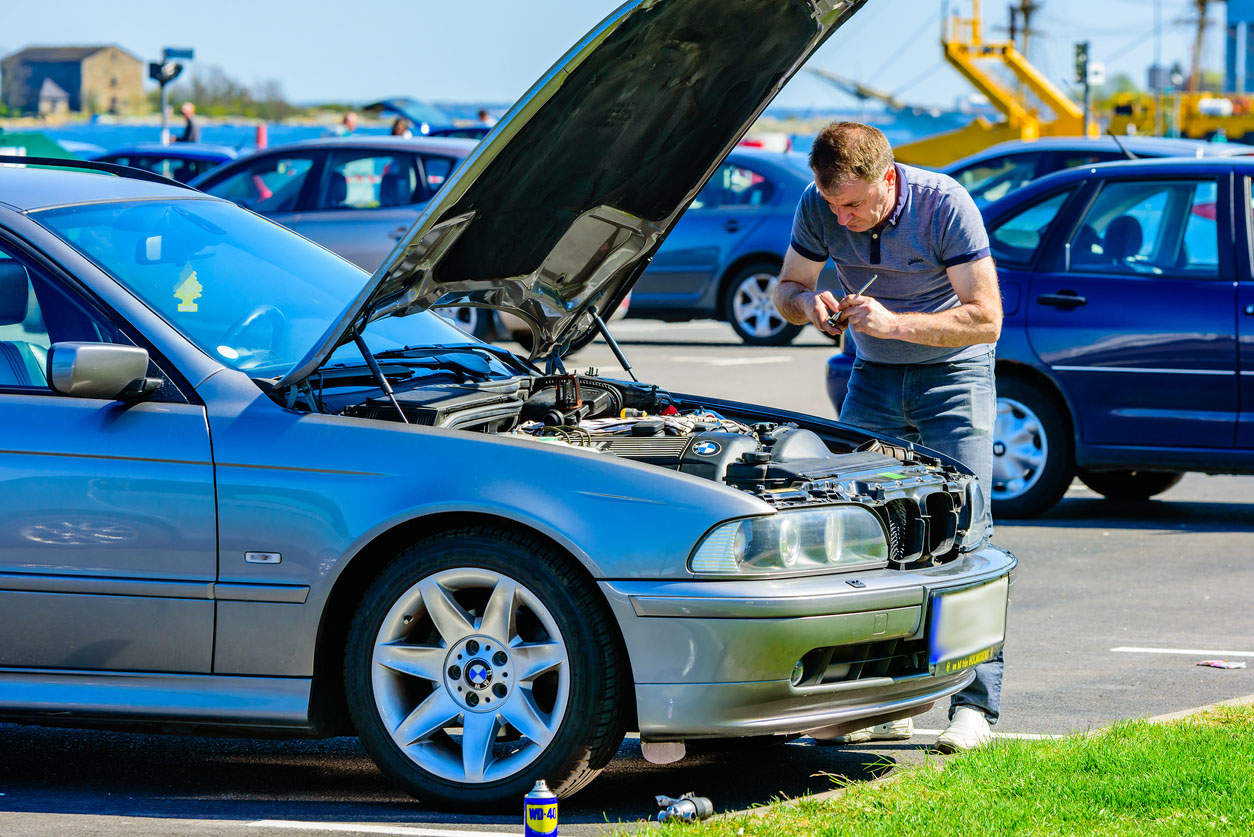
x: 966, y: 50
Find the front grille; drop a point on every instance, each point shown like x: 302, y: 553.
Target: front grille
x: 921, y: 535
x: 848, y: 663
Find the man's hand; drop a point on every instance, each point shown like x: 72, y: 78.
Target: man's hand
x: 865, y: 315
x: 796, y: 297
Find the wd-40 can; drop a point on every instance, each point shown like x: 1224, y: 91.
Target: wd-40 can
x: 540, y: 812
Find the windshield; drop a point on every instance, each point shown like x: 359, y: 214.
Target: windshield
x: 250, y: 293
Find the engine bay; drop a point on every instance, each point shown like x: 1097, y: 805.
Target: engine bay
x: 923, y: 503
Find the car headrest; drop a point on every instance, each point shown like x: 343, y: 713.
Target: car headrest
x: 393, y: 189
x: 14, y: 292
x: 1123, y: 238
x: 337, y: 188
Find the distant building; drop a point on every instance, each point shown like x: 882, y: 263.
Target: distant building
x: 95, y: 79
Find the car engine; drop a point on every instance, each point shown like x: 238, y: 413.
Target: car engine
x: 925, y: 505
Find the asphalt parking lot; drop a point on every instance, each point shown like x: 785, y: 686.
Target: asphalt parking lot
x: 1169, y: 579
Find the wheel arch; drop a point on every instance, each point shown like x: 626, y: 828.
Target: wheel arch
x: 330, y: 706
x: 731, y: 269
x: 1047, y: 386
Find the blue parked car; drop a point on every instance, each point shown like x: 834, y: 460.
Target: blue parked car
x: 723, y: 258
x: 1127, y: 352
x: 997, y: 171
x: 181, y: 161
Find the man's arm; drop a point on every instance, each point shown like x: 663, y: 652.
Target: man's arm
x: 977, y: 319
x: 796, y: 297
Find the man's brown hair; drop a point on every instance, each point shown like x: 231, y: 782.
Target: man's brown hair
x: 845, y: 151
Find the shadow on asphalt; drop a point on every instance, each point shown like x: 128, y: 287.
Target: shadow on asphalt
x: 45, y: 770
x: 1099, y: 513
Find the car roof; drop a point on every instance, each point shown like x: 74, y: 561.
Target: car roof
x: 182, y: 149
x: 443, y: 145
x: 792, y: 161
x: 30, y: 189
x: 1157, y: 167
x: 1152, y: 146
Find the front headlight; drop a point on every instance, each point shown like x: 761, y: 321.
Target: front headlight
x: 836, y: 537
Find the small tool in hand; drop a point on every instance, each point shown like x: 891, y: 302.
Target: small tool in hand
x: 831, y: 318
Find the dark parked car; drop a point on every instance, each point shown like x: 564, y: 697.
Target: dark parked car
x: 247, y: 485
x: 1127, y: 352
x: 183, y: 161
x: 723, y: 258
x: 997, y: 171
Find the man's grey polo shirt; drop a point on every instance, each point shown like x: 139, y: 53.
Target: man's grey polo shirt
x: 933, y: 226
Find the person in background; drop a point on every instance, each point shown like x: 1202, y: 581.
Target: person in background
x: 347, y: 125
x: 924, y: 332
x: 401, y: 128
x: 485, y: 119
x: 191, y: 131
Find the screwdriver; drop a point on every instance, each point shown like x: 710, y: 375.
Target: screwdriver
x: 831, y: 318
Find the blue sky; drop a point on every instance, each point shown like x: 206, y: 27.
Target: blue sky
x: 491, y: 50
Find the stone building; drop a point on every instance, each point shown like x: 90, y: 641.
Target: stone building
x: 96, y: 79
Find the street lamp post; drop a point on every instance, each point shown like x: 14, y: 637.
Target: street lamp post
x: 163, y: 72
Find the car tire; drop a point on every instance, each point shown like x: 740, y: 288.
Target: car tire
x: 475, y: 321
x: 749, y: 306
x: 483, y: 626
x: 1032, y: 451
x: 1130, y: 486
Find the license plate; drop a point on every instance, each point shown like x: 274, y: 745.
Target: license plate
x: 967, y: 626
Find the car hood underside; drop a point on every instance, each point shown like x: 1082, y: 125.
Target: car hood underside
x: 564, y: 203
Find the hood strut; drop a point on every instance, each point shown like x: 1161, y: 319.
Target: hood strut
x: 618, y: 353
x: 379, y: 377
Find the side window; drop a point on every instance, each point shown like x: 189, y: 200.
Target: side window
x: 268, y: 184
x: 1163, y: 227
x: 996, y: 177
x: 1017, y: 239
x: 436, y: 170
x: 734, y: 186
x: 367, y: 179
x: 34, y: 314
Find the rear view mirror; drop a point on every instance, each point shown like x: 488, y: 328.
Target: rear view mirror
x: 99, y: 370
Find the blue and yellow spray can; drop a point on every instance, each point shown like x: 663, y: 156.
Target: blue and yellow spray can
x: 540, y: 811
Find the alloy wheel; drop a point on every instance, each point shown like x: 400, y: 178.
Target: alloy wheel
x: 469, y: 698
x: 753, y: 306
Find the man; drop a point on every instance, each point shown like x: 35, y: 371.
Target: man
x: 348, y: 124
x: 191, y: 131
x: 924, y: 331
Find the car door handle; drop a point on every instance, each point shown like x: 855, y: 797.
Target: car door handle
x: 731, y: 225
x: 398, y: 233
x: 1062, y: 299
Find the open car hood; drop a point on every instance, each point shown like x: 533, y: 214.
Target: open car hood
x: 562, y: 206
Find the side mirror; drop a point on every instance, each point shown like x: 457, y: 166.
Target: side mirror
x: 99, y: 370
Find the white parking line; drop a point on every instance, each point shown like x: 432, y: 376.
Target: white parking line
x: 355, y: 828
x: 731, y: 361
x: 1192, y: 652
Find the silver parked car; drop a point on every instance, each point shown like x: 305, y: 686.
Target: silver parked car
x: 249, y: 487
x: 355, y: 195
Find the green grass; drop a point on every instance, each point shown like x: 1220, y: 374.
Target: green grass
x: 1194, y: 776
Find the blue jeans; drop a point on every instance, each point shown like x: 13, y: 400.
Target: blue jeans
x: 949, y: 407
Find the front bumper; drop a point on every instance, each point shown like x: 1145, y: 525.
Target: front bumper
x: 715, y: 658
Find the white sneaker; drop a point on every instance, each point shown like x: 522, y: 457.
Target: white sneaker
x: 968, y: 729
x: 900, y: 730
